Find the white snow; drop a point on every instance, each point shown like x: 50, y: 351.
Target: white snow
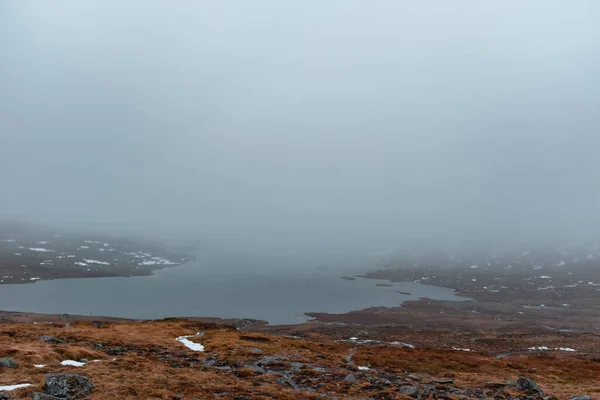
x: 364, y: 368
x: 545, y: 277
x: 7, y: 240
x: 39, y: 365
x: 8, y: 388
x: 460, y: 349
x: 189, y: 344
x: 538, y: 348
x: 96, y: 262
x: 34, y: 279
x: 72, y: 363
x: 80, y: 263
x: 555, y: 348
x: 84, y: 247
x: 41, y: 242
x: 474, y: 266
x: 17, y: 254
x: 40, y: 249
x: 410, y: 346
x: 157, y: 261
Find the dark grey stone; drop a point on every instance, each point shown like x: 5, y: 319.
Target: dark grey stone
x: 69, y: 386
x: 409, y: 391
x: 49, y: 339
x: 529, y: 385
x: 8, y: 362
x: 444, y: 381
x: 350, y: 378
x: 44, y: 396
x: 4, y: 396
x: 580, y: 398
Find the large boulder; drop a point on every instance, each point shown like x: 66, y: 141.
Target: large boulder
x: 44, y: 396
x: 8, y: 362
x: 49, y: 339
x: 529, y: 385
x: 68, y: 386
x: 408, y: 390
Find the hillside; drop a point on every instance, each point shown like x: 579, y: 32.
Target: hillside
x: 245, y: 360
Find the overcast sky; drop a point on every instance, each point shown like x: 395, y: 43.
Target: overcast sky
x: 303, y: 121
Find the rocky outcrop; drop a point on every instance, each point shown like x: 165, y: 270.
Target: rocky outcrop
x: 68, y: 386
x: 49, y: 339
x: 412, y: 391
x: 44, y: 396
x: 8, y: 362
x: 528, y: 385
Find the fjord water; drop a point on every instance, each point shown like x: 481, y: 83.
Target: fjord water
x: 267, y: 287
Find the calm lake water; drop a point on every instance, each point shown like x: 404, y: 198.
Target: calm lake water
x: 277, y: 289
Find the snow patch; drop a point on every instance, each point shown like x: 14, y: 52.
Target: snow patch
x: 404, y: 344
x: 72, y: 363
x: 460, y: 349
x: 157, y: 261
x: 189, y: 344
x: 364, y: 368
x: 8, y: 388
x: 555, y: 348
x: 41, y: 249
x: 96, y: 262
x: 80, y: 263
x: 39, y: 365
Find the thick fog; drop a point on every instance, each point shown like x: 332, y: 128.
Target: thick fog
x: 331, y: 123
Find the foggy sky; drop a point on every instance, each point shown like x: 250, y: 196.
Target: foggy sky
x: 347, y: 121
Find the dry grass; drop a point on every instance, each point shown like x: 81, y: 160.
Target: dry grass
x: 142, y: 360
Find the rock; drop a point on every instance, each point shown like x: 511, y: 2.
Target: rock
x: 528, y: 385
x: 497, y: 385
x: 69, y: 386
x: 256, y: 369
x: 350, y: 378
x: 44, y: 396
x: 580, y: 398
x: 8, y: 362
x: 444, y: 381
x: 4, y: 396
x: 412, y: 391
x: 256, y: 350
x: 49, y: 339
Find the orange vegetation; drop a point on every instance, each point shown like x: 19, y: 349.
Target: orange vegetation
x: 142, y: 360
